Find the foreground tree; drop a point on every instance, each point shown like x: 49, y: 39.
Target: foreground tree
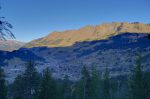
x: 138, y: 83
x: 96, y: 84
x: 5, y: 27
x: 106, y: 86
x: 17, y: 88
x: 31, y: 80
x: 66, y: 89
x: 109, y: 87
x: 48, y: 87
x: 26, y: 86
x: 3, y: 89
x: 83, y: 87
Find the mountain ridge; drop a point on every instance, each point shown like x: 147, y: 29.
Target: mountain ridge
x: 10, y: 45
x: 117, y: 53
x: 88, y: 33
x: 116, y: 50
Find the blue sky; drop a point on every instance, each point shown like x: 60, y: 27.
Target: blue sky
x: 33, y: 19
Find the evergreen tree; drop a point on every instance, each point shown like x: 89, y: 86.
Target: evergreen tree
x: 96, y: 84
x: 48, y: 87
x: 3, y: 88
x: 138, y: 83
x: 17, y: 88
x: 86, y: 83
x: 82, y: 90
x: 31, y: 80
x: 106, y: 86
x: 76, y: 92
x: 66, y: 89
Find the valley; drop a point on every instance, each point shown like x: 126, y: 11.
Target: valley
x: 117, y: 52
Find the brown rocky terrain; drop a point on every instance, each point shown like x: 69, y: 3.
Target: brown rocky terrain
x: 89, y: 33
x: 114, y: 46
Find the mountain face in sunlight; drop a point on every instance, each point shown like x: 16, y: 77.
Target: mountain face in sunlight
x: 113, y: 46
x: 118, y: 54
x: 10, y: 45
x: 89, y: 33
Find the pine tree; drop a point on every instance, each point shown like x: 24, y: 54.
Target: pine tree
x: 82, y: 90
x: 31, y: 80
x: 17, y: 88
x: 138, y: 83
x: 96, y: 84
x: 76, y: 92
x: 3, y: 88
x: 66, y: 89
x: 48, y: 87
x: 89, y: 86
x: 106, y: 86
x: 86, y: 83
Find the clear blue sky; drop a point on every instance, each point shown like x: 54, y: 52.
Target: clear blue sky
x: 37, y: 18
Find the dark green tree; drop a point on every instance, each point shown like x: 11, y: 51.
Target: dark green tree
x: 82, y: 88
x: 17, y: 88
x: 86, y: 79
x: 106, y: 85
x: 76, y: 91
x: 109, y: 87
x: 96, y: 84
x: 66, y: 89
x: 3, y: 88
x: 31, y: 80
x: 48, y: 87
x: 138, y: 82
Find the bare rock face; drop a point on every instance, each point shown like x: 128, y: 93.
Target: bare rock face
x: 10, y: 45
x: 89, y: 33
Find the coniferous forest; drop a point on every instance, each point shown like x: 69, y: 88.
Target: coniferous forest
x: 91, y: 85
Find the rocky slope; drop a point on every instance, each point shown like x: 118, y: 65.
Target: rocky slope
x: 10, y: 45
x: 117, y: 53
x: 114, y: 47
x: 89, y: 33
x: 14, y: 62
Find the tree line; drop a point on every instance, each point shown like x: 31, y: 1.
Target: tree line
x: 92, y: 85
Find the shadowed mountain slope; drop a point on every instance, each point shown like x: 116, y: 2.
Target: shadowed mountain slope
x: 118, y: 53
x: 114, y: 46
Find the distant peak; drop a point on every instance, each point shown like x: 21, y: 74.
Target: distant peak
x: 10, y: 45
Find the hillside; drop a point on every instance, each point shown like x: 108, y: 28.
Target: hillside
x: 118, y: 54
x: 116, y: 49
x: 88, y: 33
x: 10, y: 45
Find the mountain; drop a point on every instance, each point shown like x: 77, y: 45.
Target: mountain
x: 114, y: 46
x: 14, y: 62
x: 89, y: 33
x: 10, y: 45
x: 118, y: 54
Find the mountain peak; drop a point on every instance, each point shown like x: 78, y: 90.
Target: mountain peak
x: 10, y: 45
x: 89, y: 33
